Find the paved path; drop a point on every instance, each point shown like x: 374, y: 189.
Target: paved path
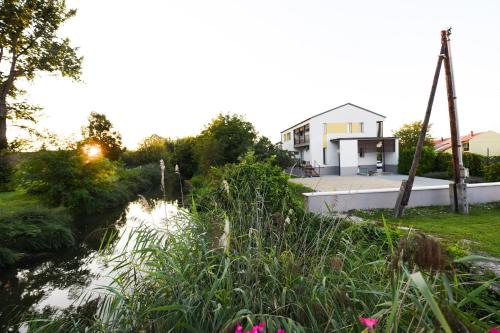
x: 346, y: 183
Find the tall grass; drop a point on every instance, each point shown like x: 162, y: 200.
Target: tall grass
x: 281, y: 265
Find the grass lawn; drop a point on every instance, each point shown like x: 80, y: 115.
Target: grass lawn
x: 10, y: 202
x: 481, y: 226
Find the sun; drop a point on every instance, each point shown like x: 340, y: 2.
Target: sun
x: 92, y: 151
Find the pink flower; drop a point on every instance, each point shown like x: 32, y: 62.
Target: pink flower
x: 280, y: 330
x: 261, y: 326
x: 239, y: 328
x: 494, y: 330
x: 368, y: 322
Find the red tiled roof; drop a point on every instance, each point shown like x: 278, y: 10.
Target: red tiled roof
x: 443, y: 144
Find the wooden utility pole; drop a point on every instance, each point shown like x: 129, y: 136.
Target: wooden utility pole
x: 458, y: 190
x: 458, y: 196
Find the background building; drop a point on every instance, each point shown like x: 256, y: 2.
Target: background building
x: 345, y: 140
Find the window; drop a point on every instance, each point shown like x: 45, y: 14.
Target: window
x: 301, y: 135
x: 324, y: 156
x: 361, y: 152
x: 466, y: 146
x: 350, y: 128
x: 380, y: 129
x: 362, y: 127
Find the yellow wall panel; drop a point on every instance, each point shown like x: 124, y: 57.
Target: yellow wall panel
x: 356, y: 127
x: 336, y: 128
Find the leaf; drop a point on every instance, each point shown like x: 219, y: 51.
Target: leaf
x: 476, y: 258
x: 423, y: 287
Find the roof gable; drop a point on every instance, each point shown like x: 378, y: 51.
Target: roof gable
x: 335, y: 108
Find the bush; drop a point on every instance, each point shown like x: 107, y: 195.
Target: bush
x: 442, y: 162
x: 492, y: 173
x: 65, y: 178
x: 249, y: 180
x: 151, y: 150
x: 34, y: 229
x: 426, y: 163
x: 7, y: 257
x: 475, y: 163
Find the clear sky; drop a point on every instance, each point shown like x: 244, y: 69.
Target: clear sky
x: 168, y: 67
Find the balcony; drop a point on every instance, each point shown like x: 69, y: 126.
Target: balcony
x: 301, y: 136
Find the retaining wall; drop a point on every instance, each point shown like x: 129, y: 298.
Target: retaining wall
x: 341, y: 201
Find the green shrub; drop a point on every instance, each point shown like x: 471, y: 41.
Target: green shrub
x: 442, y: 162
x: 66, y: 178
x: 475, y: 163
x: 249, y: 180
x: 36, y: 229
x: 492, y: 173
x: 7, y: 257
x: 426, y: 163
x: 151, y: 150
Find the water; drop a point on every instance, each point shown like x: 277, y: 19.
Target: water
x: 56, y: 281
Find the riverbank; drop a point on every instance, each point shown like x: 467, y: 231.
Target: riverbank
x: 30, y: 225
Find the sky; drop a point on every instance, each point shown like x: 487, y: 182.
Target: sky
x: 169, y: 67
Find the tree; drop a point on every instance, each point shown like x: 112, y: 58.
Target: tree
x: 264, y: 150
x: 29, y: 44
x: 184, y: 156
x: 100, y: 131
x: 408, y: 135
x: 224, y: 140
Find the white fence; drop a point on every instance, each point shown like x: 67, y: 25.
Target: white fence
x: 341, y: 201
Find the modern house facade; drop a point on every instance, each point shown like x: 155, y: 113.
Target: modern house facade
x: 482, y: 143
x: 345, y: 140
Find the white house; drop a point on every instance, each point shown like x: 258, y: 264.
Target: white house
x: 345, y: 140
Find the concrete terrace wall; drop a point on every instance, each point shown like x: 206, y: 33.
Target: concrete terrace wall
x: 341, y: 201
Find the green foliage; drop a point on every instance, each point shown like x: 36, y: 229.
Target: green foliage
x: 100, y: 131
x: 492, y: 173
x: 152, y: 149
x: 30, y: 44
x: 480, y: 230
x: 408, y: 136
x: 475, y: 163
x: 247, y: 179
x: 33, y: 229
x: 426, y: 163
x: 442, y: 162
x: 5, y: 172
x: 66, y: 178
x: 7, y: 257
x: 224, y: 140
x: 264, y: 150
x: 184, y: 156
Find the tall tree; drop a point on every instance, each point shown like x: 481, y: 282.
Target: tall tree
x: 100, y: 131
x: 224, y: 140
x: 408, y: 135
x: 29, y: 44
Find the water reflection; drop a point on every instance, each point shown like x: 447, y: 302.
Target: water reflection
x: 57, y: 281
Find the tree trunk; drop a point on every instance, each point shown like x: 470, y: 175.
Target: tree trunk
x: 3, y: 125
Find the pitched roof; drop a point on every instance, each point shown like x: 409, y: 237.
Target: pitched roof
x: 443, y: 144
x: 338, y: 107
